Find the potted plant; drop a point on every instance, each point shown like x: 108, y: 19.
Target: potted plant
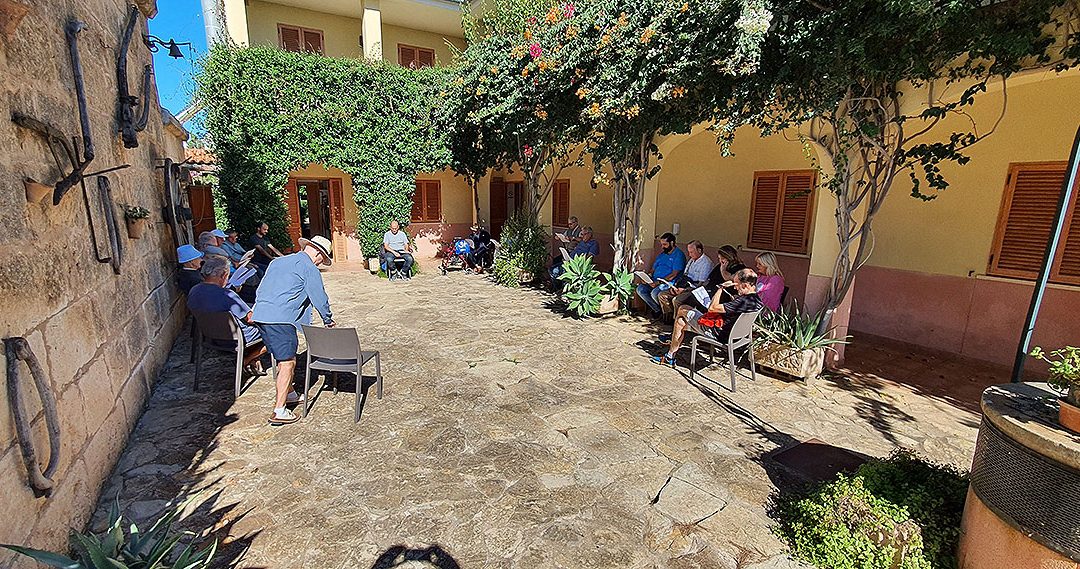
x: 618, y: 290
x: 581, y: 288
x: 524, y: 251
x: 136, y: 218
x: 788, y: 341
x: 1065, y: 377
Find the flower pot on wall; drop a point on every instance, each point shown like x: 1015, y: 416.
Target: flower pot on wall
x: 136, y: 228
x: 1069, y: 413
x: 36, y: 191
x: 804, y: 364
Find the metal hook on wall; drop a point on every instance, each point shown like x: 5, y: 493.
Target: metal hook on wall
x: 16, y: 350
x: 129, y: 125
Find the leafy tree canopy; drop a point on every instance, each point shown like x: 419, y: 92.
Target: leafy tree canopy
x: 271, y: 111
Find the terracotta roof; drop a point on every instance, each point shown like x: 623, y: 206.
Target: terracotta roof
x: 200, y: 156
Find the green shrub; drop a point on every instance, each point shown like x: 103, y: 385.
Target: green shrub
x: 582, y: 290
x: 795, y: 328
x: 901, y: 512
x: 522, y: 249
x: 620, y: 285
x: 133, y: 549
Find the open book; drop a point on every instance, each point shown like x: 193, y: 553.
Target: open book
x: 246, y: 258
x: 562, y: 237
x: 241, y: 276
x: 702, y: 296
x: 565, y: 255
x: 645, y: 278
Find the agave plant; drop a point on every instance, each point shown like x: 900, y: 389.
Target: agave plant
x: 620, y: 286
x: 135, y: 549
x: 582, y: 290
x: 795, y: 328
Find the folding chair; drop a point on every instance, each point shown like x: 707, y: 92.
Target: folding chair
x: 338, y: 350
x: 221, y: 331
x: 742, y: 334
x: 395, y: 270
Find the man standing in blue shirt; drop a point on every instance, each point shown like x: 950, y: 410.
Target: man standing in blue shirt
x: 668, y: 265
x: 291, y: 287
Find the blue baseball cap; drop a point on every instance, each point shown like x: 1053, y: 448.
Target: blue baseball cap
x: 218, y: 233
x: 185, y: 253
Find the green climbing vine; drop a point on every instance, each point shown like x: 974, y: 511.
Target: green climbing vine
x: 270, y: 111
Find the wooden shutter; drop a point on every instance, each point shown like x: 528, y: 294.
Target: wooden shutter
x: 1026, y: 220
x: 407, y: 56
x: 560, y: 203
x: 781, y: 210
x: 418, y: 203
x: 289, y: 37
x: 764, y: 207
x: 313, y: 41
x: 432, y: 201
x: 292, y: 206
x: 337, y: 219
x: 425, y: 57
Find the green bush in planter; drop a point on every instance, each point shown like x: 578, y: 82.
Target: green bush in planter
x: 898, y: 513
x: 133, y: 549
x: 523, y: 248
x: 582, y: 289
x: 620, y: 286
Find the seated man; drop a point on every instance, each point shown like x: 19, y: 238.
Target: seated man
x: 480, y: 256
x: 396, y: 245
x: 232, y: 246
x: 587, y: 246
x: 668, y: 265
x: 746, y: 300
x: 696, y: 274
x: 210, y: 243
x: 190, y: 260
x: 264, y: 250
x: 212, y: 296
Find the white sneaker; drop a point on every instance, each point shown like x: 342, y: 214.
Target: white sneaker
x: 283, y: 416
x: 294, y: 397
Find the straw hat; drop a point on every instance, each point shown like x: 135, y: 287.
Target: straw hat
x: 322, y: 244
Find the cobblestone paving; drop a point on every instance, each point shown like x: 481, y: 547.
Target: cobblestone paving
x: 509, y: 436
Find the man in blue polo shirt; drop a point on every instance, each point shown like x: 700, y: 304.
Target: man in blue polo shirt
x: 668, y: 265
x: 291, y: 287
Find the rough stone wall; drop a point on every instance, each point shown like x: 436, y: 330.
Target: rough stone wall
x: 100, y: 337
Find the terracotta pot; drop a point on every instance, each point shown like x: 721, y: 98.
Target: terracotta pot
x: 804, y: 364
x: 1069, y: 416
x: 36, y: 191
x: 136, y: 228
x: 610, y: 305
x: 373, y: 264
x: 525, y: 277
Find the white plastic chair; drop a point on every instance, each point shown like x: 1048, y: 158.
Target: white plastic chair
x: 742, y: 334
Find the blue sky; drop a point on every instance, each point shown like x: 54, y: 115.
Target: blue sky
x: 180, y: 20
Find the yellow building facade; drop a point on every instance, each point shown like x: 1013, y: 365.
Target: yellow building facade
x: 932, y: 278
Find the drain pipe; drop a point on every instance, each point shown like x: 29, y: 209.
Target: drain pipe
x: 212, y: 11
x: 1051, y: 251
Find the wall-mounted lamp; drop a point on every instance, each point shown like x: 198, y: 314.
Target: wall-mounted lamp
x: 153, y: 43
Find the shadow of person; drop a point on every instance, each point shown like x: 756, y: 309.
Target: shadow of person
x: 398, y: 555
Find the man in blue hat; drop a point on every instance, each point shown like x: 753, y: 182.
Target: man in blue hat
x: 190, y: 260
x: 291, y: 287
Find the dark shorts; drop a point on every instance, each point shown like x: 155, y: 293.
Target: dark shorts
x: 280, y: 340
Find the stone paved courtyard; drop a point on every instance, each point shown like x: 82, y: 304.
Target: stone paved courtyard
x: 512, y: 436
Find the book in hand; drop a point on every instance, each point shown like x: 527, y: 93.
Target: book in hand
x: 702, y: 296
x: 565, y: 255
x: 241, y: 276
x: 645, y: 278
x: 562, y: 237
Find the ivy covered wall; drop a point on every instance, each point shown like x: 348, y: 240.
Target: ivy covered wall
x: 270, y: 111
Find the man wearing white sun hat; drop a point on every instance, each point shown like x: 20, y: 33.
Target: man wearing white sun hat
x: 291, y: 287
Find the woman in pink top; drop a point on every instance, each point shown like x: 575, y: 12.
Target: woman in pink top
x: 770, y: 280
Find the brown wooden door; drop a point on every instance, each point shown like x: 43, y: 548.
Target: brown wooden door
x: 337, y: 220
x: 292, y: 207
x: 498, y: 207
x: 201, y: 200
x: 314, y: 208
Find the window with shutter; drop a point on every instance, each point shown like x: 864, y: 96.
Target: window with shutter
x: 560, y: 203
x: 427, y: 202
x: 415, y: 57
x: 781, y: 210
x: 1026, y: 220
x: 296, y: 38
